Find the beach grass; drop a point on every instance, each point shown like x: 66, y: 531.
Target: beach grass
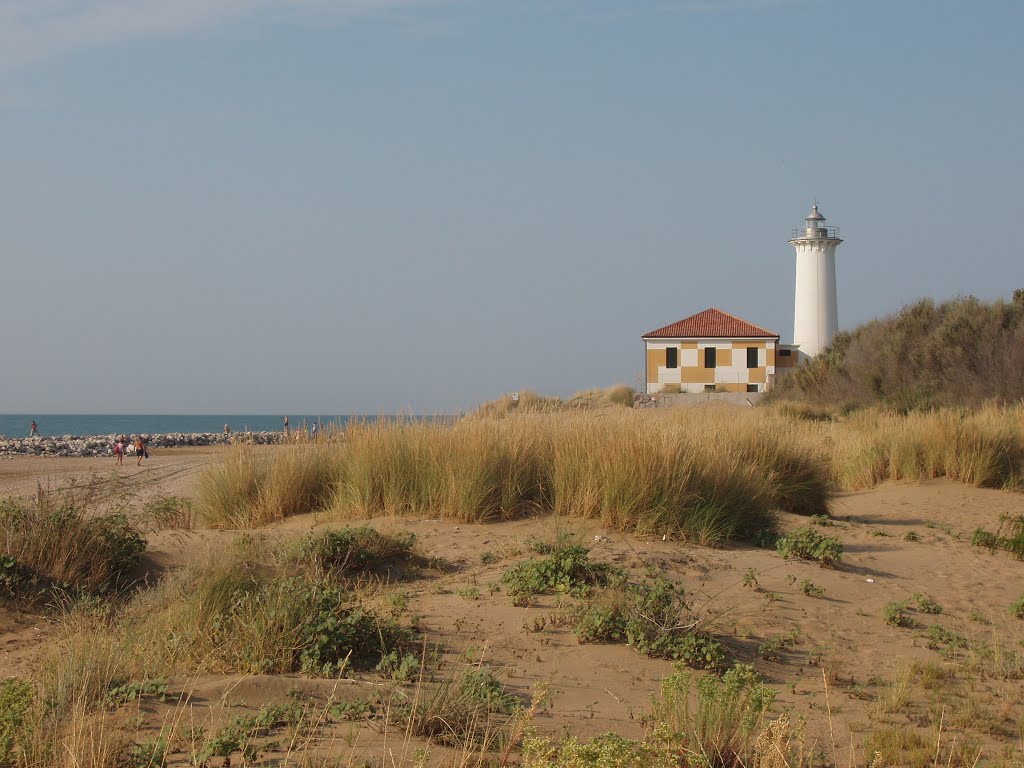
x: 691, y: 474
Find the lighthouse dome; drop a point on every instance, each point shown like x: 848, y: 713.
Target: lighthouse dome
x: 814, y: 214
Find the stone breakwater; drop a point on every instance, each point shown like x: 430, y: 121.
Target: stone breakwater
x: 103, y: 445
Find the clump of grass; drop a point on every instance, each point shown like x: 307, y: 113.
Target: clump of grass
x: 470, y: 709
x: 807, y: 544
x: 247, y: 613
x: 170, y: 513
x: 984, y: 448
x: 345, y: 552
x: 47, y: 547
x: 704, y: 480
x: 255, y: 485
x: 720, y: 726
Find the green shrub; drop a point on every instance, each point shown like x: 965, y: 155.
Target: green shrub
x: 1017, y: 607
x: 292, y: 625
x: 807, y: 544
x: 16, y: 698
x: 601, y: 624
x: 941, y: 639
x: 341, y: 553
x: 895, y: 615
x: 568, y: 570
x: 925, y: 604
x: 811, y: 589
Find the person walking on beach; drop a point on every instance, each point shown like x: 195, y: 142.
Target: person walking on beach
x: 119, y: 452
x: 314, y: 431
x: 285, y: 426
x: 33, y: 430
x: 140, y: 450
x: 227, y: 431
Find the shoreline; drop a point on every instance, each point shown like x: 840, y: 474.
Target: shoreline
x: 103, y: 445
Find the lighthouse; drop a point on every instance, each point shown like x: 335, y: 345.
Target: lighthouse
x: 816, y: 319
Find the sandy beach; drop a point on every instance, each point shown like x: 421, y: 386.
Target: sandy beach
x: 899, y: 540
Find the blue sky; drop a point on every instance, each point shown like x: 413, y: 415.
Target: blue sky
x: 356, y: 207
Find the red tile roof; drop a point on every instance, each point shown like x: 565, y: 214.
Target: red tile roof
x: 711, y: 324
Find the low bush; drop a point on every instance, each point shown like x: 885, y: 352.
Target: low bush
x: 246, y: 613
x: 350, y: 551
x: 895, y: 615
x: 655, y: 620
x: 807, y: 544
x: 925, y: 604
x: 568, y: 570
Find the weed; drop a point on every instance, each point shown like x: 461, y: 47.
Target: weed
x: 488, y: 557
x: 468, y: 593
x: 1009, y: 537
x: 895, y: 615
x: 942, y: 640
x: 807, y: 544
x: 127, y: 692
x: 170, y: 513
x: 16, y: 697
x: 925, y: 604
x: 911, y: 536
x: 811, y: 589
x: 348, y: 551
x: 567, y: 570
x: 1017, y: 607
x: 823, y: 520
x: 772, y: 648
x: 750, y: 578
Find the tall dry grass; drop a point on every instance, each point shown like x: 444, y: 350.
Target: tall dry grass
x: 711, y: 474
x: 693, y: 473
x: 64, y: 547
x: 984, y: 448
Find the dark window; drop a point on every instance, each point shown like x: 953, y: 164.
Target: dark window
x: 709, y: 357
x: 671, y: 357
x: 785, y: 352
x: 751, y: 357
x: 751, y: 387
x: 709, y: 387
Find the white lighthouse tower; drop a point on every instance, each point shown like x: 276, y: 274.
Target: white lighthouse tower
x: 816, y: 319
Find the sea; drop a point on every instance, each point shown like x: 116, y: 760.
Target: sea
x: 89, y: 424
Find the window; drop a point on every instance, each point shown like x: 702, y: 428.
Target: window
x: 751, y: 357
x: 785, y: 352
x: 709, y: 357
x: 709, y: 388
x: 752, y: 388
x: 671, y: 357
